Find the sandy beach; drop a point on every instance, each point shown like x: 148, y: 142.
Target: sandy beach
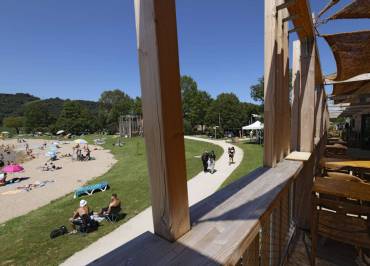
x: 15, y: 202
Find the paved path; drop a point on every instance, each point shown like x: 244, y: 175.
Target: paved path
x: 199, y: 187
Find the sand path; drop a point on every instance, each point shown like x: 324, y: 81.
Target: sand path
x: 72, y: 175
x: 199, y: 187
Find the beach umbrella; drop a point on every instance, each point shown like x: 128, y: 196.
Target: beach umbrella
x: 60, y: 132
x: 12, y: 168
x: 80, y: 141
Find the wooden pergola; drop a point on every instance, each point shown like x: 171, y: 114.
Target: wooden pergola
x: 263, y: 207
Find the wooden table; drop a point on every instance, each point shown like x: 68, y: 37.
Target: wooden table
x: 360, y: 166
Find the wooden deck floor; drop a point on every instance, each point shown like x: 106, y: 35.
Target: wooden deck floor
x: 330, y: 253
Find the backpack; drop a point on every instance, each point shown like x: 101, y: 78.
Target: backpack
x: 58, y: 232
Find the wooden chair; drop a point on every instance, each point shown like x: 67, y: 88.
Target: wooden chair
x: 340, y: 211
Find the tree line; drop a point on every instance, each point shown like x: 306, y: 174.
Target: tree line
x: 201, y: 112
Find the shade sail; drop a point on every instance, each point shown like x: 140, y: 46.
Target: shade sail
x: 255, y: 126
x: 356, y: 9
x: 351, y: 52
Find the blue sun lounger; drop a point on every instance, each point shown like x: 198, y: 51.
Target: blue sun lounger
x: 102, y: 186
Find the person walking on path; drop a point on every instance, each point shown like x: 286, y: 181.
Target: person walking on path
x: 212, y: 161
x: 231, y: 151
x: 205, y: 157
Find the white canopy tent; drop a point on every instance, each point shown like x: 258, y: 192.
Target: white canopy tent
x: 255, y: 126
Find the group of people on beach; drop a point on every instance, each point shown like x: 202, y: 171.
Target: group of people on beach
x: 82, y: 154
x: 209, y: 159
x: 5, y: 154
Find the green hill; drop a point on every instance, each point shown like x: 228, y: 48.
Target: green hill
x: 15, y: 104
x: 12, y: 104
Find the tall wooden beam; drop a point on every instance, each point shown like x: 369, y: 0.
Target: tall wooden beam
x: 164, y: 138
x: 296, y: 83
x: 270, y: 86
x: 285, y: 87
x: 307, y: 102
x: 320, y: 112
x: 276, y: 90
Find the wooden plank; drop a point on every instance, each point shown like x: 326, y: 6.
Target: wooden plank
x: 286, y: 91
x: 303, y: 20
x: 296, y: 82
x: 299, y: 156
x: 160, y: 86
x: 270, y: 86
x: 266, y: 242
x: 280, y: 90
x: 344, y: 189
x: 307, y: 102
x: 276, y: 237
x: 251, y: 256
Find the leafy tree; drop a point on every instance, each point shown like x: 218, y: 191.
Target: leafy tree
x: 112, y: 104
x: 37, y: 115
x: 226, y: 110
x: 15, y: 122
x: 74, y: 118
x: 257, y: 90
x: 195, y: 102
x: 137, y: 106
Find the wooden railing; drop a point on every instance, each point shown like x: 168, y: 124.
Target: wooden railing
x: 250, y: 222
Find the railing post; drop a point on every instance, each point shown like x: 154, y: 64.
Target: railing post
x: 164, y: 138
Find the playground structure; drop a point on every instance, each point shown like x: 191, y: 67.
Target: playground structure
x: 130, y: 126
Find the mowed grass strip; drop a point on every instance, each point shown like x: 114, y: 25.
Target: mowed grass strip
x: 25, y: 240
x: 252, y: 159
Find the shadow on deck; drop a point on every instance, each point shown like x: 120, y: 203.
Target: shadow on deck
x: 330, y: 253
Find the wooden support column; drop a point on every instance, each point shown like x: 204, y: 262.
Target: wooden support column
x: 276, y: 90
x: 164, y: 138
x: 307, y: 101
x: 320, y: 112
x: 285, y: 98
x: 296, y: 83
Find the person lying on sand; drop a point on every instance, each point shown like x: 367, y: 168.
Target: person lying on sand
x: 115, y: 203
x: 76, y: 219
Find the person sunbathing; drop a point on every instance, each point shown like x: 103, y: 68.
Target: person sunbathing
x: 77, y: 217
x: 114, y: 204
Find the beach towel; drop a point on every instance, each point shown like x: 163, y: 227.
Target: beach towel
x: 89, y: 190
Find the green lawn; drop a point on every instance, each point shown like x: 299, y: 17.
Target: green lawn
x: 253, y: 158
x: 25, y: 239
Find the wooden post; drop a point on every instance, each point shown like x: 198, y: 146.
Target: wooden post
x: 270, y: 84
x: 164, y: 138
x: 276, y: 90
x: 285, y: 97
x: 296, y: 82
x: 307, y: 102
x: 320, y: 111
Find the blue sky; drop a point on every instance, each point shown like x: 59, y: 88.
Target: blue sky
x: 79, y: 48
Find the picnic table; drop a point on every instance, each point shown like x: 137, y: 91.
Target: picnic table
x: 360, y: 166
